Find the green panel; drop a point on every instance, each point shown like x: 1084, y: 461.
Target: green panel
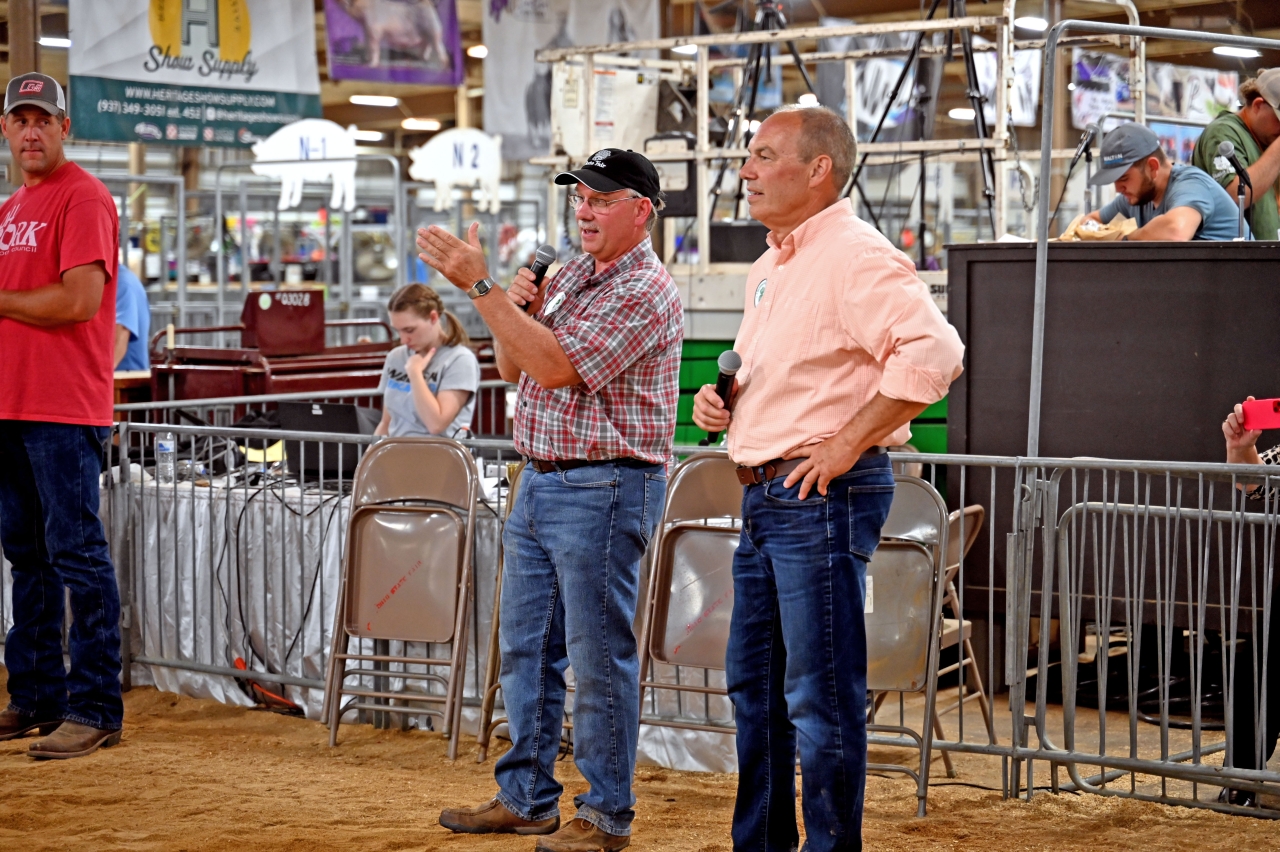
x: 937, y: 411
x: 694, y: 373
x: 159, y: 114
x: 684, y: 409
x: 689, y: 436
x: 705, y: 348
x: 929, y: 437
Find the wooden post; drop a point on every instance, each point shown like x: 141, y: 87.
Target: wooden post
x: 24, y: 52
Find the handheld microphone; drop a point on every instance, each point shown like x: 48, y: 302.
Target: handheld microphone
x: 1227, y: 151
x: 730, y: 363
x: 1091, y: 132
x: 542, y: 260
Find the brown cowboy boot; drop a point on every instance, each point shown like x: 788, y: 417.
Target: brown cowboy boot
x: 72, y: 739
x: 493, y: 818
x: 581, y: 836
x: 14, y: 724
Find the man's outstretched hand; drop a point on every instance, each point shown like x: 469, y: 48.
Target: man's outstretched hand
x: 461, y: 262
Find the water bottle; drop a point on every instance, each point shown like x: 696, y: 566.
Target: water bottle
x: 165, y: 456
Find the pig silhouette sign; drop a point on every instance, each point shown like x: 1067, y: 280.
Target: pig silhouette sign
x: 313, y: 149
x: 464, y: 158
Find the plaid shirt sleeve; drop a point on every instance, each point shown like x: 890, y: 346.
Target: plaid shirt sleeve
x: 613, y: 333
x: 1258, y: 493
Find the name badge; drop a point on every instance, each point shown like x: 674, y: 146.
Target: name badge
x: 556, y: 302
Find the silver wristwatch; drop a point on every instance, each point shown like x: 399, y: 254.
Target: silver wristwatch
x: 484, y: 285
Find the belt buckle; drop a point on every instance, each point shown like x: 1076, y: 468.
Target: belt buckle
x: 749, y: 475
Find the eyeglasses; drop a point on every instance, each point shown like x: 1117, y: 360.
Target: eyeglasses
x: 599, y: 205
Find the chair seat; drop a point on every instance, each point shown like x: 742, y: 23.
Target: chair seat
x: 951, y: 632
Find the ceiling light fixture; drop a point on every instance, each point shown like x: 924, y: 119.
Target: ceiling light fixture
x: 808, y: 99
x: 374, y: 100
x: 1030, y: 22
x: 962, y: 114
x: 477, y: 51
x: 53, y: 41
x: 363, y: 135
x: 1237, y: 52
x: 420, y: 124
x: 686, y: 49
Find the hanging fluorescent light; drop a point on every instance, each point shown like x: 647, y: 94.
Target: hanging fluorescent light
x: 808, y: 99
x: 1237, y: 52
x: 753, y: 125
x: 962, y: 114
x: 363, y: 135
x: 477, y: 51
x: 374, y: 100
x: 420, y: 124
x: 686, y: 49
x: 1030, y: 22
x: 51, y: 41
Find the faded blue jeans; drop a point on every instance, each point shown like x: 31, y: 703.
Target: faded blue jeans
x: 571, y: 577
x: 52, y: 536
x: 797, y: 658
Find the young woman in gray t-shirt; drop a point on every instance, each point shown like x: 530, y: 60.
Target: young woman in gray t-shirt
x: 429, y: 382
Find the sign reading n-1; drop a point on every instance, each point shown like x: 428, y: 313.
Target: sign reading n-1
x: 191, y: 72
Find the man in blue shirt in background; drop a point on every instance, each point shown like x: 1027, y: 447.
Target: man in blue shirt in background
x: 133, y: 322
x: 1169, y: 202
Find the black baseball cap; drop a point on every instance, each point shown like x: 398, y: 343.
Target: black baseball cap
x: 1124, y: 146
x: 35, y: 90
x: 612, y: 169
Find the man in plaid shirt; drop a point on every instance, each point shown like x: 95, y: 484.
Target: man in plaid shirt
x: 597, y: 354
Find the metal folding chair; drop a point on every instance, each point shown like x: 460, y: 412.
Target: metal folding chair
x: 963, y: 528
x: 690, y: 591
x: 905, y: 584
x: 407, y: 577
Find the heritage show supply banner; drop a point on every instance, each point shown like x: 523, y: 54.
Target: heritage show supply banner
x: 395, y: 41
x: 178, y: 72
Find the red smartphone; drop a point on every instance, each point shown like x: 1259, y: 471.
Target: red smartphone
x: 1261, y: 414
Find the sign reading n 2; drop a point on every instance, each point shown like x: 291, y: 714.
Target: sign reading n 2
x: 191, y: 72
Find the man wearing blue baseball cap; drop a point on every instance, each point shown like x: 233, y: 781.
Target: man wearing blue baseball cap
x: 1170, y: 202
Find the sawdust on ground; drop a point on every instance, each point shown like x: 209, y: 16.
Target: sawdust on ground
x: 193, y: 774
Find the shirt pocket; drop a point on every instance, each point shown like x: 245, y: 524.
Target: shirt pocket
x: 798, y: 329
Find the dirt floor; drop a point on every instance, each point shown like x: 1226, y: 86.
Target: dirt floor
x: 197, y: 775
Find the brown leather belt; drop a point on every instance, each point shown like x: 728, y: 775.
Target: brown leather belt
x: 781, y: 467
x: 542, y: 466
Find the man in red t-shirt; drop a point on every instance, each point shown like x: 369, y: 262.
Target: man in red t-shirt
x: 58, y: 257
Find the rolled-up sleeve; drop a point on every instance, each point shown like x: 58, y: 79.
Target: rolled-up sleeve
x: 887, y: 310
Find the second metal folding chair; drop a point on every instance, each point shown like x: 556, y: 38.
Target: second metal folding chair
x: 407, y: 577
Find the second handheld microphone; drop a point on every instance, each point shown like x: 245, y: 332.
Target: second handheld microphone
x: 542, y: 260
x: 730, y: 363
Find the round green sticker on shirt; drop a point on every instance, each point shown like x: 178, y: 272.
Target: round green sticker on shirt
x: 760, y: 291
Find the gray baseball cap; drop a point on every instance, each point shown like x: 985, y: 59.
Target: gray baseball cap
x: 1269, y: 87
x: 35, y: 89
x: 1124, y: 146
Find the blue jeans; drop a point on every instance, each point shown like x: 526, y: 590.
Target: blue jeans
x: 571, y: 576
x: 797, y: 657
x: 52, y: 536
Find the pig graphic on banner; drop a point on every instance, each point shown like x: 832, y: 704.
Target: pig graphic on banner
x: 319, y: 142
x: 462, y: 157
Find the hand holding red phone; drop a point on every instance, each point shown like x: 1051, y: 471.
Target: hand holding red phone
x: 1239, y: 435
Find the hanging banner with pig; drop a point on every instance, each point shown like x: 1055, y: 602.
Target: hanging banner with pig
x: 520, y: 109
x: 395, y: 41
x: 221, y: 72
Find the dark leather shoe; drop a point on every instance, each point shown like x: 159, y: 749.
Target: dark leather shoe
x: 13, y: 725
x: 72, y: 739
x: 493, y: 818
x: 581, y: 836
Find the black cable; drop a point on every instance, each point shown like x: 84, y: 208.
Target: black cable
x: 1065, y: 183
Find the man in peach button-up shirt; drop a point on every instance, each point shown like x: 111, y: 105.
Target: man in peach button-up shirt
x: 841, y: 346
